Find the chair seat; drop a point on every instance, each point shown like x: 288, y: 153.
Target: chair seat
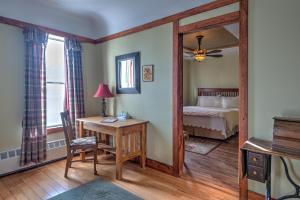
x: 84, y: 141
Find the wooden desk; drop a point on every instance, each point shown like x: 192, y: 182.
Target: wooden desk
x: 256, y: 164
x: 130, y: 138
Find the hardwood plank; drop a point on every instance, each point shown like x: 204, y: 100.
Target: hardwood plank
x: 41, y: 193
x: 4, y: 192
x: 146, y: 183
x: 14, y: 189
x: 218, y: 169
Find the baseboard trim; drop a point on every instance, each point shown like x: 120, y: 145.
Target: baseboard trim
x: 255, y: 196
x: 32, y: 167
x: 160, y: 166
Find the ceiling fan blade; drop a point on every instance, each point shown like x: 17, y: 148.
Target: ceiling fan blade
x: 188, y: 56
x: 214, y: 51
x: 215, y: 55
x: 190, y: 53
x: 187, y: 49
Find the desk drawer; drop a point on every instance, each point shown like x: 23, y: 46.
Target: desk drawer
x: 256, y: 173
x: 256, y: 159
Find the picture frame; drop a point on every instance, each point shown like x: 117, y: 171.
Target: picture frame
x: 128, y: 81
x: 148, y: 73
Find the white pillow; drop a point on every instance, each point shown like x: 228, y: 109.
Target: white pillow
x: 209, y: 101
x: 230, y: 102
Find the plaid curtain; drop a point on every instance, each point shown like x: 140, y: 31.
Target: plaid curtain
x: 74, y: 80
x: 34, y: 135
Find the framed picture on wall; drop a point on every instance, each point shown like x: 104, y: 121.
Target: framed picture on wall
x: 147, y: 72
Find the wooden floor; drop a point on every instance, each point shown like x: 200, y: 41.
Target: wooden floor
x: 219, y: 168
x: 48, y: 181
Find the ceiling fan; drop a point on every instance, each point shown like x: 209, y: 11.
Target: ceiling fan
x: 200, y: 54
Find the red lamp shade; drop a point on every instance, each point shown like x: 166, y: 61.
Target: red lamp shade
x: 103, y: 91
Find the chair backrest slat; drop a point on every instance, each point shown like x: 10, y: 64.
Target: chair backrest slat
x: 68, y: 129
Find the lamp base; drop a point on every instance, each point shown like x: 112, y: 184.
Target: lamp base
x: 104, y: 108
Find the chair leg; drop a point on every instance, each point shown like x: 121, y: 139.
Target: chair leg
x: 67, y: 165
x: 95, y: 160
x: 71, y: 158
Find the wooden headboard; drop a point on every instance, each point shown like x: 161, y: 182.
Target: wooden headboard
x: 226, y: 92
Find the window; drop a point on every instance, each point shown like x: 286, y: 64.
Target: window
x: 55, y: 80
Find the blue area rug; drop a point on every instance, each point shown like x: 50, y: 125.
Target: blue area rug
x: 98, y: 189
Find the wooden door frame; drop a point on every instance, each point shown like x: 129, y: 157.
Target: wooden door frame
x: 240, y: 17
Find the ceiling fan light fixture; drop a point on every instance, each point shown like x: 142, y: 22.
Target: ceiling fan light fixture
x: 199, y: 57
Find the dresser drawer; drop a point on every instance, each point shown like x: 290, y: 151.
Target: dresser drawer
x: 256, y: 173
x: 256, y: 159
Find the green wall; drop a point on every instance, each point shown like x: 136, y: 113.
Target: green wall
x: 211, y: 73
x: 274, y: 70
x: 274, y: 83
x: 12, y: 66
x: 11, y: 86
x: 154, y: 102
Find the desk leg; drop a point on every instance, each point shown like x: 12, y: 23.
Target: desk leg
x: 119, y: 162
x: 81, y: 134
x: 296, y: 195
x: 143, y: 146
x: 268, y: 179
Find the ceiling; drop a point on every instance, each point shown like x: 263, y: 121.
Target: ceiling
x: 214, y: 38
x: 93, y: 18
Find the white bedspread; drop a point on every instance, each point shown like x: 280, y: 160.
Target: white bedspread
x: 220, y: 119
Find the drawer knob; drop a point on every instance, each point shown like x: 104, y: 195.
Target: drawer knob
x: 254, y: 172
x: 254, y: 159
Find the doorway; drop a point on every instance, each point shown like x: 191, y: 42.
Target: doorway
x: 240, y: 17
x: 210, y: 107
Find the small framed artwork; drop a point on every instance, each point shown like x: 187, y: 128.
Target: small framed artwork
x: 147, y: 73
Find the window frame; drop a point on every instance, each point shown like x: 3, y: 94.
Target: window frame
x: 59, y: 127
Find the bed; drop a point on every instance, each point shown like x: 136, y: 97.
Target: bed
x: 216, y: 120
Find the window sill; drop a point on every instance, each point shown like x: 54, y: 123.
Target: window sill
x: 52, y: 130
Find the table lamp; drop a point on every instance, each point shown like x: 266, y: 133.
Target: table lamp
x: 103, y: 92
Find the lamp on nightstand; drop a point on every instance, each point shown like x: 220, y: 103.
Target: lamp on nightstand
x: 103, y: 92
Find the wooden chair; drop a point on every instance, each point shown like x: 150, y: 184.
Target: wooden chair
x: 73, y: 144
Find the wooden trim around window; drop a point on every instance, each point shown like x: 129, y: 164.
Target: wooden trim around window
x: 22, y: 24
x: 211, y: 23
x: 200, y: 9
x: 55, y: 130
x: 243, y: 92
x: 178, y: 146
x: 240, y: 17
